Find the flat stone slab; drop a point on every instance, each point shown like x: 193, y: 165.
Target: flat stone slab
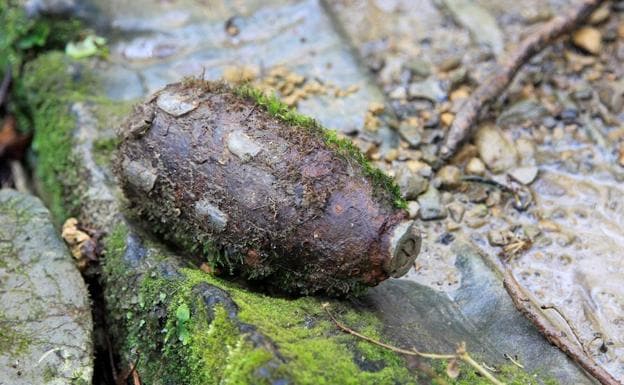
x: 45, y: 316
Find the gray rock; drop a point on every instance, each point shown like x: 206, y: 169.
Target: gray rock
x: 430, y: 89
x: 495, y: 150
x: 44, y: 305
x: 456, y: 210
x: 411, y: 184
x: 411, y: 133
x: 431, y: 206
x: 122, y: 83
x: 481, y: 24
x: 524, y: 175
x: 475, y: 166
x: 523, y: 111
x: 419, y: 68
x: 50, y: 7
x: 172, y: 44
x: 479, y: 313
x: 449, y: 176
x: 412, y: 209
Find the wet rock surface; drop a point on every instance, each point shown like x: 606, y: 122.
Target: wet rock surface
x: 45, y: 313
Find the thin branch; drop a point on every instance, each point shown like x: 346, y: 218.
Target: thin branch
x: 492, y: 87
x: 533, y: 313
x: 111, y: 360
x: 461, y: 353
x: 513, y: 361
x: 568, y: 323
x: 131, y: 371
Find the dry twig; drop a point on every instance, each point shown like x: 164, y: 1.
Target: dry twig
x: 532, y: 312
x: 128, y: 372
x: 460, y: 354
x: 491, y: 88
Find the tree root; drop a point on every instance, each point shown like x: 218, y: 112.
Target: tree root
x: 460, y: 353
x: 492, y: 87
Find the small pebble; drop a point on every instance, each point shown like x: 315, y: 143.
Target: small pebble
x: 446, y: 238
x: 449, y: 176
x: 431, y: 205
x: 600, y: 15
x: 410, y: 183
x: 411, y: 132
x: 412, y: 209
x: 588, y: 39
x: 459, y: 94
x: 399, y: 93
x: 421, y: 168
x: 498, y: 238
x: 475, y: 166
x: 447, y: 118
x: 524, y: 175
x: 495, y: 150
x: 391, y: 155
x: 449, y: 64
x: 456, y: 210
x: 547, y: 225
x: 494, y: 198
x: 452, y: 226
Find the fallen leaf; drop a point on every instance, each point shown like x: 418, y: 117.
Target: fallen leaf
x: 452, y: 370
x: 13, y: 144
x: 83, y: 243
x: 92, y: 45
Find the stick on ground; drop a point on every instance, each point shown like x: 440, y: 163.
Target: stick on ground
x: 460, y: 354
x: 491, y: 88
x: 532, y: 312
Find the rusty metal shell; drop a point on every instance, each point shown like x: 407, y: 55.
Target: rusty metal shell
x: 215, y: 173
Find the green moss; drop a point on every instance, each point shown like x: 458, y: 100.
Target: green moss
x: 21, y: 40
x: 52, y: 84
x: 312, y: 350
x: 104, y: 150
x: 12, y: 341
x: 344, y: 147
x: 509, y: 374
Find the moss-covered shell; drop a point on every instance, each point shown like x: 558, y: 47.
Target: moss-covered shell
x: 260, y: 190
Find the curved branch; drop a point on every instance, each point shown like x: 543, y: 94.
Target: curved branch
x: 492, y: 87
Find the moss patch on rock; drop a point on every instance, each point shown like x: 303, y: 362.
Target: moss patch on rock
x: 180, y: 340
x: 50, y: 99
x: 509, y: 374
x: 22, y: 39
x: 52, y: 84
x: 214, y: 349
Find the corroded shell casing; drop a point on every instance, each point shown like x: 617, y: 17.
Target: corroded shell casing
x: 261, y: 192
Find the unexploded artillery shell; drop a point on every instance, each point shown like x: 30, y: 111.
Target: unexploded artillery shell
x: 260, y: 190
